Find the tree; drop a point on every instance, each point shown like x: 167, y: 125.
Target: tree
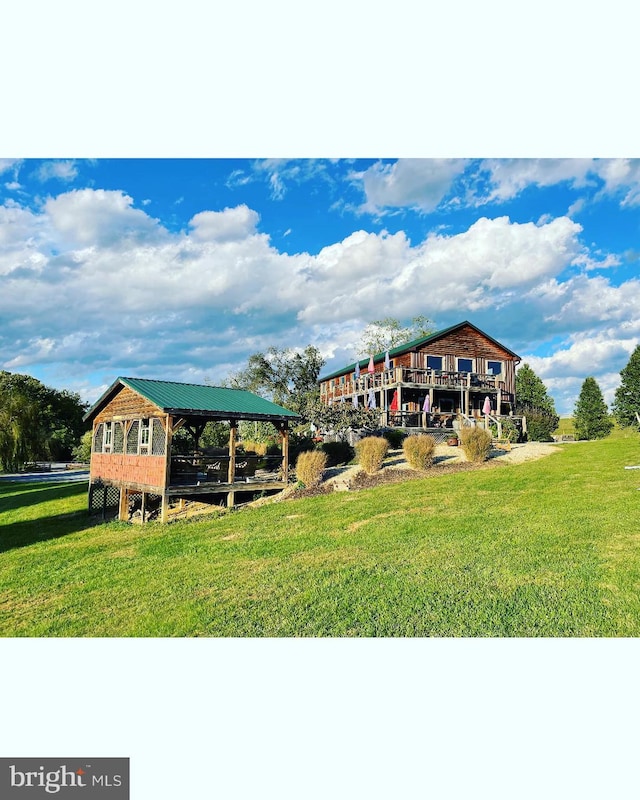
x: 339, y: 417
x: 383, y: 334
x: 533, y: 402
x: 36, y: 421
x: 591, y: 417
x: 287, y: 377
x: 627, y: 398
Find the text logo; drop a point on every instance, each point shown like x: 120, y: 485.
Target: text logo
x: 80, y: 778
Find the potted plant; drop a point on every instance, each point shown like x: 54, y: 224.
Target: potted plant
x: 452, y: 439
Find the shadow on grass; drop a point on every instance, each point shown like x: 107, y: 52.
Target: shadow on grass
x: 20, y: 495
x: 24, y: 532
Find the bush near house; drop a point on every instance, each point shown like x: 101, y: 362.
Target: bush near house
x: 310, y: 466
x: 371, y: 452
x: 476, y: 444
x: 338, y: 453
x: 419, y: 450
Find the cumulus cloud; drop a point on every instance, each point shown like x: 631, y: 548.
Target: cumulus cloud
x: 98, y: 217
x: 91, y: 281
x: 418, y: 183
x: 230, y: 225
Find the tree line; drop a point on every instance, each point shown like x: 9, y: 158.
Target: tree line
x: 41, y: 423
x: 37, y: 422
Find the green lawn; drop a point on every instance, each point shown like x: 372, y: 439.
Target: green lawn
x: 545, y: 548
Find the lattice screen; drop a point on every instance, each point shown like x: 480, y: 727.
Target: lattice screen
x: 97, y: 438
x: 157, y: 437
x: 104, y: 501
x: 118, y: 437
x: 132, y: 438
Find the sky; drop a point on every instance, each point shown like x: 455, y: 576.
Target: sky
x: 179, y: 269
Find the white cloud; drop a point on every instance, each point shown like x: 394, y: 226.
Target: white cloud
x: 232, y: 224
x: 98, y: 217
x: 59, y: 170
x: 92, y: 282
x: 419, y: 183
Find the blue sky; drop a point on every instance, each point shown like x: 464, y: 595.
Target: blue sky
x: 181, y: 268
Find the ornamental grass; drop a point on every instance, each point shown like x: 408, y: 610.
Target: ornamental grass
x: 419, y: 450
x: 310, y: 467
x: 371, y: 452
x: 476, y: 443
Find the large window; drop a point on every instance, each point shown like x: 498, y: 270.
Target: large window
x: 494, y: 367
x: 465, y: 365
x: 434, y: 362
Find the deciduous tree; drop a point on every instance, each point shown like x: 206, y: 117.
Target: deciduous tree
x: 535, y: 404
x: 383, y: 334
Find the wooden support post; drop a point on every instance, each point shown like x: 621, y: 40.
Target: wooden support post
x: 164, y: 512
x: 285, y: 452
x: 143, y: 505
x: 123, y: 510
x: 233, y: 432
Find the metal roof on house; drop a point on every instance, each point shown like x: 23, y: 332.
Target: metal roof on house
x: 414, y: 343
x: 192, y: 398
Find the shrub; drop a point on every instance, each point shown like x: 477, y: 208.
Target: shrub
x: 418, y: 451
x: 310, y: 466
x: 540, y: 426
x: 476, y: 444
x: 371, y: 452
x: 394, y: 436
x: 260, y: 448
x: 510, y: 431
x: 337, y: 453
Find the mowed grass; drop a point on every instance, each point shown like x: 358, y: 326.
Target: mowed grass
x: 545, y: 548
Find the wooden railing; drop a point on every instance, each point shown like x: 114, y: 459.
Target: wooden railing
x: 194, y: 470
x: 427, y: 378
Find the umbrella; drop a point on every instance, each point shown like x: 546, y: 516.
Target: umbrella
x: 371, y: 368
x: 371, y: 402
x: 356, y: 373
x: 426, y: 406
x: 342, y: 400
x: 355, y: 401
x: 486, y: 408
x: 394, y: 402
x: 387, y: 361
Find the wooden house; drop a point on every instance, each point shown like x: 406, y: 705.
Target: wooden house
x: 426, y: 382
x: 133, y: 462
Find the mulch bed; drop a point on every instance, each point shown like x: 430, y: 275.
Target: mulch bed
x: 363, y: 481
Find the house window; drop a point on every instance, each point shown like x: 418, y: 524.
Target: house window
x: 494, y: 367
x: 434, y: 362
x: 107, y: 442
x: 144, y: 433
x: 465, y: 365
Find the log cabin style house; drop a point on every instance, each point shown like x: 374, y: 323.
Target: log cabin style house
x: 427, y: 382
x: 133, y: 463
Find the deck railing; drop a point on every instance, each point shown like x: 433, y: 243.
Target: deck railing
x: 427, y: 378
x: 196, y: 470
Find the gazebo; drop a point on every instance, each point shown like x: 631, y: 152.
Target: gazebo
x: 133, y: 462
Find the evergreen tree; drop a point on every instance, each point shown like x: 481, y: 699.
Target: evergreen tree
x: 627, y: 399
x: 533, y: 402
x: 590, y: 417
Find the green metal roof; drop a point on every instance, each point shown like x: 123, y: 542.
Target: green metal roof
x: 185, y: 398
x: 403, y: 348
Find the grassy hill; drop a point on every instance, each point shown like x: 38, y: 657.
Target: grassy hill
x: 545, y: 548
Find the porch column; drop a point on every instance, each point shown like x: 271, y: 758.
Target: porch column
x: 284, y: 432
x: 233, y: 430
x: 123, y: 509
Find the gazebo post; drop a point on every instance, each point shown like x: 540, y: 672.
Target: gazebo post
x: 233, y: 429
x: 284, y: 432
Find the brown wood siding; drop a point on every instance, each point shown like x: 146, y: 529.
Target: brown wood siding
x: 463, y: 343
x: 127, y: 403
x: 145, y: 470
